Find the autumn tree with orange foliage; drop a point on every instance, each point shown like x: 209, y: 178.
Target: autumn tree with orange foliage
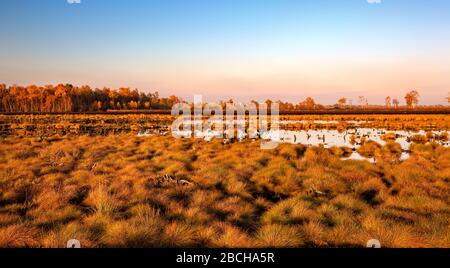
x: 412, y: 98
x: 308, y: 103
x: 68, y: 98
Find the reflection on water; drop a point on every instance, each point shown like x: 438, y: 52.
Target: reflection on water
x: 330, y: 138
x: 352, y: 138
x: 356, y: 156
x: 322, y: 122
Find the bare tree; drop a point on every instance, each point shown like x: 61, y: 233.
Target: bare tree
x: 388, y: 101
x: 363, y: 101
x: 395, y: 102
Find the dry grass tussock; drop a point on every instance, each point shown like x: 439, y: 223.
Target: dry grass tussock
x: 126, y: 191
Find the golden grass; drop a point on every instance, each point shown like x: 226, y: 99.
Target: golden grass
x: 126, y: 191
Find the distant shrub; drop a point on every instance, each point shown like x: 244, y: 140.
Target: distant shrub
x: 369, y: 149
x: 292, y: 152
x: 389, y: 137
x: 390, y: 152
x: 421, y: 139
x: 341, y: 151
x: 443, y: 136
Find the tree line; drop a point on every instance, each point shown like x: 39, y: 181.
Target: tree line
x: 411, y: 100
x: 69, y: 98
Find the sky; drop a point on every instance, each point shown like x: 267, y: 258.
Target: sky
x: 244, y: 49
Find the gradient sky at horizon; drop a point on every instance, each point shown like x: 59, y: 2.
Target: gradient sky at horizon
x: 245, y: 49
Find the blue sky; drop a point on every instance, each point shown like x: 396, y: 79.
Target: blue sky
x: 283, y: 49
